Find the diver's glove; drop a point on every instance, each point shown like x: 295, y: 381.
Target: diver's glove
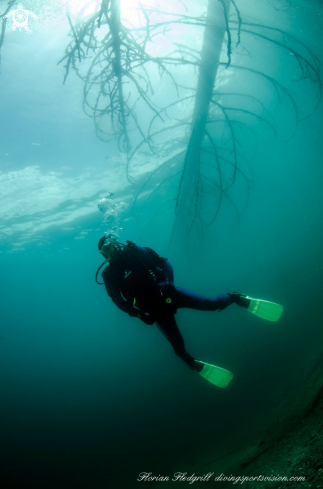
x: 146, y: 318
x: 240, y: 299
x: 133, y: 312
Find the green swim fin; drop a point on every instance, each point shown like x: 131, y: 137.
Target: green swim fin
x: 216, y: 375
x: 264, y: 309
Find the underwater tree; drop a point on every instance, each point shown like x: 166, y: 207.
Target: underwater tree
x: 117, y: 76
x: 4, y: 23
x: 200, y: 154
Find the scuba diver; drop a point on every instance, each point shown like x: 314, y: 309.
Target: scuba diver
x: 141, y: 283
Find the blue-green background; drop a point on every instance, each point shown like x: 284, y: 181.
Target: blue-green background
x: 91, y: 397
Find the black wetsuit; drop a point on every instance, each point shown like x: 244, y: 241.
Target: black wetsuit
x: 164, y: 316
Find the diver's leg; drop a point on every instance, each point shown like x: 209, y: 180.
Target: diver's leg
x: 167, y: 325
x: 190, y: 300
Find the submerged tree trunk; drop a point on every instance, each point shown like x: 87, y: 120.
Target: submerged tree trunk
x: 4, y: 24
x: 115, y: 28
x: 210, y: 56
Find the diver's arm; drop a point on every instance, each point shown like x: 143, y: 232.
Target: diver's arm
x: 115, y: 295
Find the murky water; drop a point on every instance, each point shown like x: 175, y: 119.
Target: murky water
x: 89, y: 396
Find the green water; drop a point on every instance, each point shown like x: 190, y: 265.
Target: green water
x: 90, y: 397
